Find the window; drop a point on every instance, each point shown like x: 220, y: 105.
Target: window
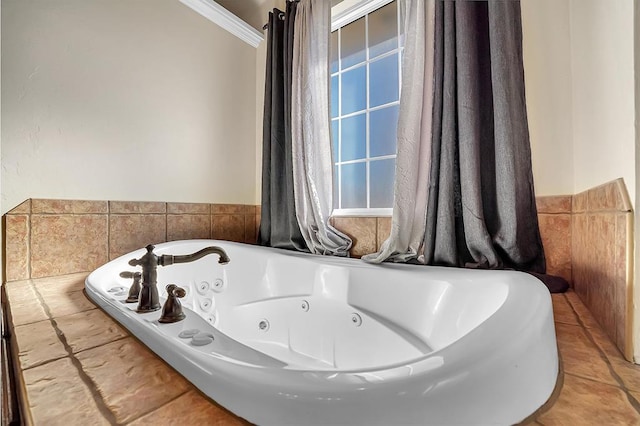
x: 365, y: 97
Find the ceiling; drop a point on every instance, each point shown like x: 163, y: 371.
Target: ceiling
x: 255, y: 12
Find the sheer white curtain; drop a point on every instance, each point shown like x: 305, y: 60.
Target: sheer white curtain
x: 310, y: 128
x: 414, y: 136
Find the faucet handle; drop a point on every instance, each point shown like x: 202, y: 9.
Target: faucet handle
x: 145, y: 260
x: 175, y: 291
x: 172, y: 309
x: 134, y: 290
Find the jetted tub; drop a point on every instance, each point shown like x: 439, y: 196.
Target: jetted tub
x: 302, y: 339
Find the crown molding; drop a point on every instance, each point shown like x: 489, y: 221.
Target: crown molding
x: 349, y: 10
x: 225, y: 19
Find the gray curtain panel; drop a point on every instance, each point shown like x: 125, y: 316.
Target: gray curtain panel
x: 311, y: 130
x: 481, y: 210
x: 278, y: 224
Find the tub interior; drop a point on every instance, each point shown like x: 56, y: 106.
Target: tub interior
x: 308, y: 312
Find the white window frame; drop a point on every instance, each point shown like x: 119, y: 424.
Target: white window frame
x: 343, y: 14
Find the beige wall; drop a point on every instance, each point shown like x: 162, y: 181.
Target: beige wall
x: 603, y: 92
x: 578, y: 57
x: 124, y: 100
x: 547, y: 65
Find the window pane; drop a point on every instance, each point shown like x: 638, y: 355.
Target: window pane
x: 354, y: 90
x: 381, y: 181
x: 383, y: 134
x: 335, y: 126
x: 334, y: 97
x: 333, y: 52
x: 383, y: 81
x: 354, y: 186
x: 352, y: 40
x: 354, y: 138
x: 383, y: 30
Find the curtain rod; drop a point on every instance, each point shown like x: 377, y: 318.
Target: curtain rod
x: 280, y: 15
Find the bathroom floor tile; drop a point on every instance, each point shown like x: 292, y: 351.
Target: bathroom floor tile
x: 562, y: 311
x: 580, y: 356
x: 629, y: 373
x: 587, y: 402
x: 583, y: 312
x: 190, y: 409
x: 605, y: 344
x: 60, y: 304
x: 60, y: 285
x: 89, y: 329
x: 58, y: 396
x: 635, y: 396
x: 36, y: 343
x: 131, y: 379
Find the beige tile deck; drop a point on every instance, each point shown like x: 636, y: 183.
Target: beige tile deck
x: 37, y: 343
x: 131, y: 379
x: 588, y: 402
x: 89, y: 329
x: 190, y: 409
x: 58, y: 396
x: 66, y: 303
x: 107, y: 377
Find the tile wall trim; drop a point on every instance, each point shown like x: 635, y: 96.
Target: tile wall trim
x: 38, y: 232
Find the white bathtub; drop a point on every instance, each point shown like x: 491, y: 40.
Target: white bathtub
x: 302, y: 339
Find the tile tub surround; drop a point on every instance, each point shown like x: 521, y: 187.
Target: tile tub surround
x: 55, y: 237
x: 587, y: 240
x: 554, y: 221
x: 64, y: 344
x: 602, y: 258
x: 554, y: 217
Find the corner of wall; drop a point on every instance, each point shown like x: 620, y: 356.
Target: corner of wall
x: 636, y: 233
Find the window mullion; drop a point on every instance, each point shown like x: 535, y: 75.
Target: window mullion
x: 339, y: 153
x: 368, y: 115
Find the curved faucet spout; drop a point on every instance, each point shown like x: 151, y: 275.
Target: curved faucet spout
x: 148, y: 299
x: 168, y: 259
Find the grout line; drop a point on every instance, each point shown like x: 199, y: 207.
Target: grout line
x: 30, y: 225
x: 166, y: 222
x: 100, y: 403
x: 41, y: 363
x: 634, y: 403
x: 104, y: 344
x: 161, y: 406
